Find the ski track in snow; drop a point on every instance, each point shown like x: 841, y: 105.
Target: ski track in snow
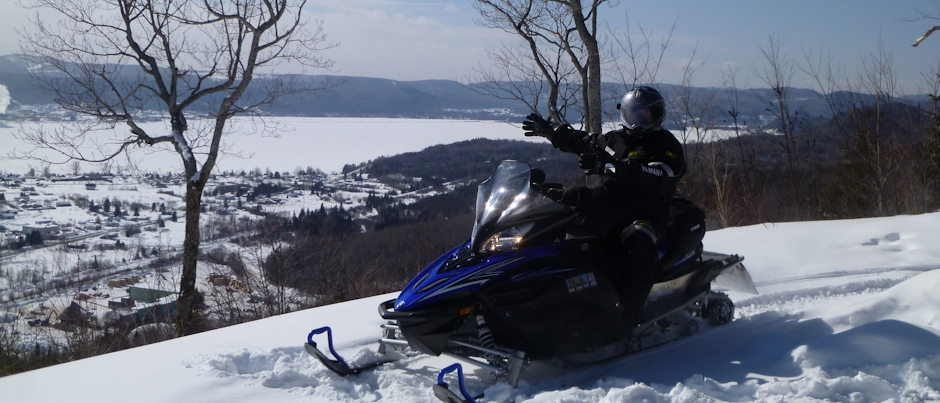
x: 800, y: 360
x: 793, y: 300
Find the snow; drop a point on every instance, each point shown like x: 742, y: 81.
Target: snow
x: 290, y: 142
x: 848, y: 312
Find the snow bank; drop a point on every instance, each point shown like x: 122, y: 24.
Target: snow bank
x: 841, y: 318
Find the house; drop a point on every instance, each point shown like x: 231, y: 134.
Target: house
x: 148, y: 295
x: 46, y: 231
x: 122, y: 303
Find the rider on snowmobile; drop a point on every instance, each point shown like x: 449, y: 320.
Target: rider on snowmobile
x: 641, y: 164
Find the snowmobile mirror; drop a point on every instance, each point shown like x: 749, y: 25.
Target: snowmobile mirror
x: 537, y: 176
x: 610, y: 168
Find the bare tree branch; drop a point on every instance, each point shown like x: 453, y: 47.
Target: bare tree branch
x: 552, y: 28
x: 921, y: 39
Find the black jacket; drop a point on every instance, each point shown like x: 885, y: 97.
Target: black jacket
x: 648, y: 166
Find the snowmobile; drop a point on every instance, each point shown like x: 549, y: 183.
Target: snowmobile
x: 529, y: 284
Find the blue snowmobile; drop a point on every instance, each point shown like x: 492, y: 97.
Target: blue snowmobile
x: 529, y: 284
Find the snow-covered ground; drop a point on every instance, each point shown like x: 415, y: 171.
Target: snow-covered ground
x: 94, y: 257
x: 849, y: 311
x: 95, y: 260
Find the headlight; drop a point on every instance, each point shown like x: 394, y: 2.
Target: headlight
x: 502, y: 241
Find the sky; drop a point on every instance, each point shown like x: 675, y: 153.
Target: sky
x: 439, y: 39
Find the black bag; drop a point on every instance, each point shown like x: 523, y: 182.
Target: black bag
x: 686, y: 226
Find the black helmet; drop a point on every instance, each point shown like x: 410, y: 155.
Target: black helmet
x: 642, y: 108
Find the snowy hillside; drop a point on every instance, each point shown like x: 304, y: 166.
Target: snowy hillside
x: 849, y: 311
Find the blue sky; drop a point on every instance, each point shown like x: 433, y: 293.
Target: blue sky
x: 424, y: 39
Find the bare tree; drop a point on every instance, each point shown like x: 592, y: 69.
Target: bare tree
x: 552, y: 28
x: 585, y: 19
x: 75, y: 167
x: 879, y: 145
x: 778, y: 75
x: 693, y: 110
x: 746, y: 189
x: 111, y: 60
x: 932, y: 80
x: 523, y: 71
x: 882, y: 170
x: 932, y: 146
x: 634, y: 58
x: 639, y: 57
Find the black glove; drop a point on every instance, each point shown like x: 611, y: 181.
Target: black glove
x: 576, y: 196
x: 594, y: 163
x: 535, y: 125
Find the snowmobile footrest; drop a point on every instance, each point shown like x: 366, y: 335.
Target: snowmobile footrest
x: 337, y: 365
x: 442, y: 392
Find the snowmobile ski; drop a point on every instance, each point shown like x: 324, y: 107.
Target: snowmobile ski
x: 443, y: 392
x: 337, y: 364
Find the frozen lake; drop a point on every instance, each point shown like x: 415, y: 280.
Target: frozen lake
x: 324, y: 143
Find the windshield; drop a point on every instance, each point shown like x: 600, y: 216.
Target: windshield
x: 506, y: 200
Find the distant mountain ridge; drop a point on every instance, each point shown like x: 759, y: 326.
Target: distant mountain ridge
x: 441, y: 99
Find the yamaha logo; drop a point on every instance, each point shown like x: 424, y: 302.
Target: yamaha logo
x: 652, y: 171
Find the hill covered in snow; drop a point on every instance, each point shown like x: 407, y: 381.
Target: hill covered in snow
x: 848, y: 312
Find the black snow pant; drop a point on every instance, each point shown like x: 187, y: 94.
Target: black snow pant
x: 632, y: 253
x: 633, y: 268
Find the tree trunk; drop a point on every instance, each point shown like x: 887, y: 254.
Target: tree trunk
x: 592, y: 103
x: 185, y: 323
x: 594, y: 87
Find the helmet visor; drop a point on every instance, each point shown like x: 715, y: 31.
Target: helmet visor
x: 641, y: 116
